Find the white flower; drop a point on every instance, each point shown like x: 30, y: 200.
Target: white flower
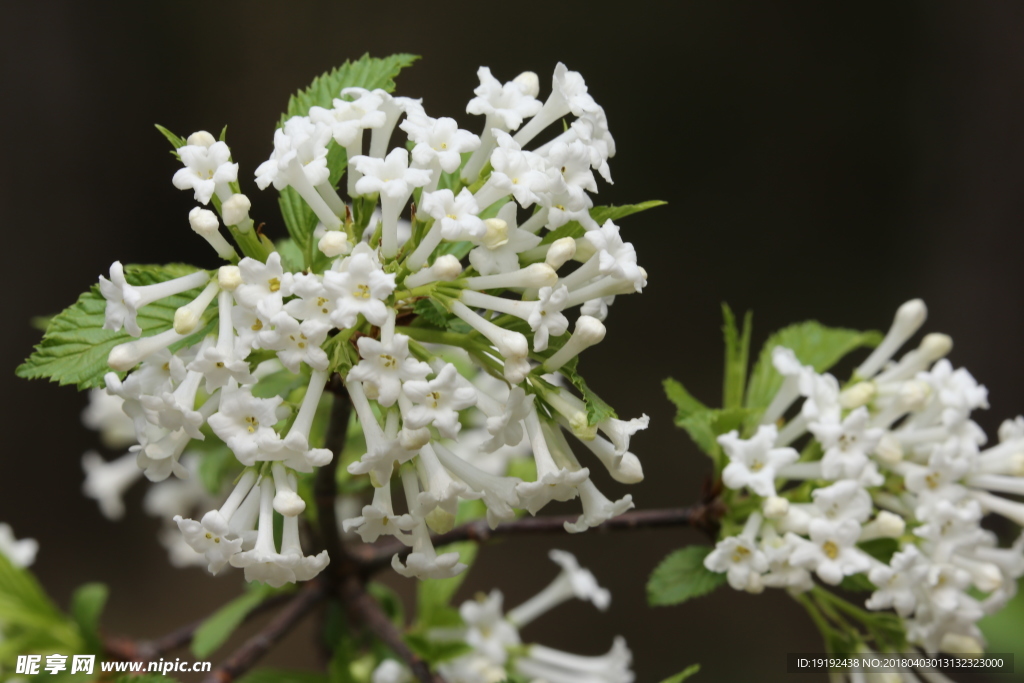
x: 218, y: 368
x: 554, y: 666
x: 105, y: 415
x: 846, y: 444
x: 597, y: 508
x: 546, y: 319
x: 487, y: 630
x: 359, y: 290
x: 843, y: 500
x: 379, y: 519
x: 387, y: 366
x: 208, y: 169
x: 124, y: 300
x: 753, y: 462
x: 300, y: 140
x: 831, y: 553
x: 568, y: 95
x: 424, y: 562
x: 573, y: 581
x: 219, y: 535
x: 456, y: 216
x: 106, y: 482
x: 20, y: 553
x: 615, y: 257
x: 740, y: 558
x: 347, y: 119
x: 897, y: 582
x: 506, y: 105
x: 516, y: 172
x: 390, y: 177
x: 439, y: 142
x: 438, y: 401
x: 246, y: 423
x: 296, y: 342
x: 264, y: 285
x: 313, y: 301
x: 503, y: 242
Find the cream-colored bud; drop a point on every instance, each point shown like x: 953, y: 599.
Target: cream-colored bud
x: 440, y: 521
x: 414, y: 439
x: 935, y: 346
x: 229, y: 277
x: 185, y: 320
x: 203, y: 221
x: 560, y: 252
x: 236, y: 209
x: 201, y: 139
x: 333, y: 243
x: 957, y: 644
x: 890, y: 525
x: 889, y: 450
x: 914, y: 394
x: 289, y: 503
x: 447, y: 268
x: 858, y: 395
x: 539, y: 275
x: 529, y: 82
x: 628, y: 470
x: 775, y: 507
x: 497, y: 233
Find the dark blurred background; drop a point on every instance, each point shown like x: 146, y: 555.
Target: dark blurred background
x: 820, y: 160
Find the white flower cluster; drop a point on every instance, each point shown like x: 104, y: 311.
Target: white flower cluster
x: 356, y: 309
x: 893, y: 454
x: 20, y: 553
x: 496, y: 647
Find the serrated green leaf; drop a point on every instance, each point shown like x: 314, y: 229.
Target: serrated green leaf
x: 737, y: 355
x: 683, y: 400
x: 219, y: 626
x: 175, y: 141
x: 75, y: 347
x: 600, y: 214
x: 432, y: 312
x: 682, y: 576
x: 86, y: 607
x: 597, y: 409
x: 814, y: 344
x: 366, y: 72
x: 683, y: 675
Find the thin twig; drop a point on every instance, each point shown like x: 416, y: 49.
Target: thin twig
x: 364, y: 609
x: 242, y: 659
x: 126, y: 649
x: 699, y: 516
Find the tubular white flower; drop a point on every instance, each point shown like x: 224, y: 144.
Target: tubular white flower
x: 105, y: 415
x: 505, y: 107
x: 555, y: 666
x: 286, y: 500
x: 379, y: 519
x: 392, y: 178
x: 553, y: 482
x: 753, y: 463
x: 424, y: 562
x: 263, y: 562
x: 296, y: 342
x: 264, y: 286
x: 568, y: 94
x: 438, y: 401
x: 187, y: 318
x: 516, y: 172
x: 499, y: 493
x: 560, y: 252
x: 909, y: 318
x: 502, y: 244
x: 229, y: 278
x: 205, y: 224
x: 245, y: 424
x: 588, y: 332
x: 359, y: 290
x: 124, y: 300
x: 215, y: 536
x: 295, y: 450
x: 124, y: 357
x: 572, y: 582
x: 445, y: 269
x: 208, y: 168
x: 439, y: 142
x: 383, y: 452
x: 510, y: 344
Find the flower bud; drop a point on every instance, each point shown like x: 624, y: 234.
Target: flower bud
x: 497, y: 233
x: 203, y: 221
x: 560, y: 251
x: 333, y: 243
x: 201, y: 139
x: 229, y: 277
x: 447, y: 268
x: 858, y: 395
x: 236, y: 209
x: 529, y: 82
x: 775, y: 507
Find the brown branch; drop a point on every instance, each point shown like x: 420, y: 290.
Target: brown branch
x: 126, y: 649
x: 364, y: 609
x: 242, y: 659
x: 701, y: 516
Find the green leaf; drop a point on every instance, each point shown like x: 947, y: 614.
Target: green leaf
x: 857, y: 583
x: 282, y: 676
x: 684, y: 401
x: 737, y: 353
x: 882, y: 549
x: 435, y: 652
x: 219, y: 626
x: 814, y: 344
x: 366, y: 72
x: 75, y: 346
x: 292, y: 258
x: 600, y: 214
x: 86, y: 606
x: 597, y: 409
x: 706, y: 426
x: 216, y: 463
x: 175, y: 141
x: 683, y: 675
x: 682, y: 576
x: 432, y: 312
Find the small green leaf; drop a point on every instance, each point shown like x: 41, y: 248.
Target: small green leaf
x: 683, y: 400
x: 857, y: 583
x: 737, y: 355
x: 433, y: 651
x: 882, y: 549
x: 683, y: 675
x: 216, y: 463
x: 705, y: 426
x: 682, y: 576
x: 219, y: 626
x: 86, y: 606
x: 600, y: 214
x: 75, y: 347
x: 432, y: 312
x: 597, y: 409
x: 292, y: 258
x: 175, y: 141
x: 814, y: 344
